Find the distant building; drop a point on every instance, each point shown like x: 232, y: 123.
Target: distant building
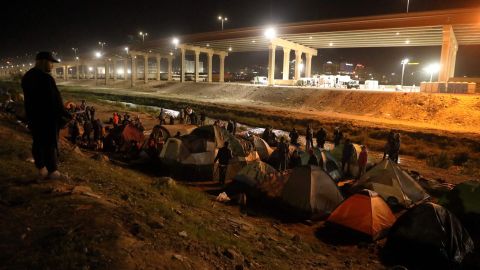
x: 330, y: 68
x: 346, y: 68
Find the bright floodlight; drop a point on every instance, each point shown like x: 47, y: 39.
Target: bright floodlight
x: 433, y: 68
x: 90, y: 68
x: 270, y: 33
x: 220, y: 17
x: 98, y: 54
x: 175, y: 41
x: 405, y: 61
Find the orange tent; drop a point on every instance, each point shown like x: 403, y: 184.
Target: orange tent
x: 365, y: 212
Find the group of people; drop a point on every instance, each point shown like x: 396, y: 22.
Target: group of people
x: 186, y: 116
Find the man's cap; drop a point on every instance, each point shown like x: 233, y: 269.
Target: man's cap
x: 46, y: 56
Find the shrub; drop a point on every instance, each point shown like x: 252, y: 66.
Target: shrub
x: 460, y: 158
x: 441, y: 160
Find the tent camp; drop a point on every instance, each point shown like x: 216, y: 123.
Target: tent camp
x: 337, y: 153
x: 327, y: 162
x: 430, y: 234
x: 393, y: 184
x: 311, y: 190
x: 463, y: 199
x: 262, y: 147
x: 173, y: 151
x: 365, y: 212
x: 131, y: 133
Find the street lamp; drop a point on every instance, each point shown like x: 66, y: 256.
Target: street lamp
x: 126, y: 50
x: 431, y: 69
x: 98, y: 54
x: 175, y: 41
x: 223, y: 20
x: 143, y: 35
x: 75, y: 50
x: 102, y: 44
x: 404, y: 63
x: 270, y: 33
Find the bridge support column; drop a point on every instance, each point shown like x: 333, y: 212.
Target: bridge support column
x: 308, y: 65
x: 210, y: 61
x: 271, y: 64
x: 222, y: 68
x: 95, y: 73
x: 170, y: 68
x: 449, y: 54
x: 158, y: 67
x: 107, y: 71
x: 298, y: 61
x: 286, y: 63
x: 125, y: 69
x: 65, y: 72
x: 133, y: 76
x: 114, y: 69
x: 182, y: 64
x: 197, y: 66
x: 145, y: 69
x: 77, y: 70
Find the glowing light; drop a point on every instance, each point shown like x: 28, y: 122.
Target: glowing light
x: 230, y: 49
x: 398, y: 33
x: 407, y: 41
x: 208, y: 45
x: 405, y: 61
x: 98, y: 54
x: 129, y: 71
x: 301, y: 67
x: 90, y: 68
x: 175, y: 41
x: 270, y: 33
x: 119, y: 70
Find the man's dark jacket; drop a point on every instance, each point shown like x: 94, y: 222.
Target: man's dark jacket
x: 44, y: 108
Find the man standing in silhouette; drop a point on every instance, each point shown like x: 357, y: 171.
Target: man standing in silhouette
x: 46, y: 114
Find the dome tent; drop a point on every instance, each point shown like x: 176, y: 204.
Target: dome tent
x: 311, y: 190
x: 392, y: 183
x: 327, y: 162
x: 429, y: 234
x: 365, y: 212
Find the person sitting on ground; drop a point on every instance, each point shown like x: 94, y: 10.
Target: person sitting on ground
x: 321, y: 137
x: 362, y: 161
x: 312, y: 159
x: 309, y: 138
x: 223, y: 157
x: 294, y: 137
x: 348, y: 151
x: 337, y: 136
x: 295, y: 160
x: 283, y: 154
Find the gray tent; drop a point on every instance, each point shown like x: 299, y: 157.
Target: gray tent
x: 310, y: 189
x: 327, y: 162
x: 392, y: 183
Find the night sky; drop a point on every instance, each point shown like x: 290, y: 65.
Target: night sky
x: 59, y: 25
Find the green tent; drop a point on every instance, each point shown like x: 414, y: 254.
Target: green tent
x: 327, y: 162
x: 463, y: 199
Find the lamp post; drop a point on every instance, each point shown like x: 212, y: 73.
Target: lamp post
x: 75, y: 50
x: 223, y: 20
x: 431, y: 69
x: 102, y: 44
x: 408, y: 5
x: 143, y: 35
x: 404, y: 63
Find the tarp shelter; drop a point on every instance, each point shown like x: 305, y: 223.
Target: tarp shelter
x: 311, y: 190
x: 430, y: 233
x: 326, y: 161
x: 169, y: 131
x: 337, y: 153
x: 463, y: 199
x: 365, y: 212
x: 262, y: 147
x: 131, y: 133
x: 392, y: 183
